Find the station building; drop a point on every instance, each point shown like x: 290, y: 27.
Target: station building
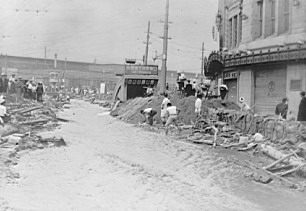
x: 55, y: 72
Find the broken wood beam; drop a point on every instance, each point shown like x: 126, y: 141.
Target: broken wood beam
x: 272, y: 152
x: 291, y: 170
x: 35, y: 121
x: 278, y: 161
x: 274, y: 176
x: 30, y: 109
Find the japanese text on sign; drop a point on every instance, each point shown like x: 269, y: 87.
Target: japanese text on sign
x: 141, y: 70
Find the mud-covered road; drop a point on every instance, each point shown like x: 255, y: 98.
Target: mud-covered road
x: 110, y: 165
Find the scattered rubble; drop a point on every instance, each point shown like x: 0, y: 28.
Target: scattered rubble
x: 23, y: 128
x: 224, y: 125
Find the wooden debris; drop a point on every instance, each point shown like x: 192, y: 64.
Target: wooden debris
x: 250, y: 146
x: 30, y: 109
x: 272, y: 152
x: 291, y: 170
x: 274, y: 176
x: 278, y: 161
x: 35, y: 121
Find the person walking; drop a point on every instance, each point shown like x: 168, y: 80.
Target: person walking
x: 172, y: 113
x: 282, y: 108
x: 149, y: 113
x: 163, y: 112
x: 302, y: 108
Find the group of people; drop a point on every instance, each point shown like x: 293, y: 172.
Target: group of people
x: 185, y: 89
x: 282, y: 109
x: 27, y: 89
x: 169, y: 114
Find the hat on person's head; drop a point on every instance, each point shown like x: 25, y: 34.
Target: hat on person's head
x: 241, y: 99
x: 302, y: 93
x: 13, y: 74
x: 223, y: 85
x: 2, y: 73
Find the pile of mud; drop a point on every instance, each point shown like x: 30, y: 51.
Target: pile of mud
x: 130, y: 111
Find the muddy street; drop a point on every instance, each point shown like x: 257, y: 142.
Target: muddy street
x: 111, y: 165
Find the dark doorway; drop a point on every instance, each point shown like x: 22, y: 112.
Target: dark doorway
x: 135, y: 90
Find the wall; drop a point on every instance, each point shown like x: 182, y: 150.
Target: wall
x: 297, y: 27
x: 295, y: 71
x: 246, y: 86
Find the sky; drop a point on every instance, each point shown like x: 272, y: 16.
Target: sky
x: 108, y: 31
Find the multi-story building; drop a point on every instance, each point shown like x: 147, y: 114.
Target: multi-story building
x: 262, y: 54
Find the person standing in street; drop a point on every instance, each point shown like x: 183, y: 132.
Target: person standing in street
x: 163, y: 112
x: 282, y: 108
x: 3, y: 113
x: 19, y: 87
x: 302, y: 108
x: 4, y: 83
x: 39, y: 91
x: 223, y: 91
x: 198, y: 105
x: 149, y: 113
x: 172, y: 113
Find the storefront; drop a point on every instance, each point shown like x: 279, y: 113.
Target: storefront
x: 135, y: 81
x: 270, y: 87
x: 230, y: 80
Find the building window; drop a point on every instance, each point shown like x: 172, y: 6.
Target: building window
x: 235, y: 32
x: 230, y: 33
x: 283, y: 19
x: 270, y: 27
x: 240, y: 28
x: 257, y: 19
x: 295, y: 85
x: 260, y: 9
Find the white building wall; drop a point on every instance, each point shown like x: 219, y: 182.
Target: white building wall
x: 295, y: 71
x: 246, y: 86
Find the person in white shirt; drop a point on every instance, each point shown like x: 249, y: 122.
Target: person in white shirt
x: 149, y: 113
x: 163, y: 112
x: 172, y: 113
x: 3, y: 112
x: 243, y: 105
x: 198, y: 105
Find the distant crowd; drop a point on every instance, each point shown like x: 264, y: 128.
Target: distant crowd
x: 24, y: 89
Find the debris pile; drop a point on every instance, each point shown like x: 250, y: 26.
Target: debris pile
x: 22, y: 128
x: 130, y: 110
x: 223, y: 125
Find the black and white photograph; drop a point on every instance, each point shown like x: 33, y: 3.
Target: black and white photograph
x: 152, y: 105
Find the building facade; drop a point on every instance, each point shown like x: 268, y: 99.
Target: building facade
x: 54, y: 72
x: 262, y: 54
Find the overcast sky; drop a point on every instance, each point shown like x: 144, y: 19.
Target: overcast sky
x: 107, y: 30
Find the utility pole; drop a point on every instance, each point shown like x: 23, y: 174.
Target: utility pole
x: 147, y: 45
x: 202, y: 63
x: 165, y: 47
x: 45, y: 56
x: 63, y: 80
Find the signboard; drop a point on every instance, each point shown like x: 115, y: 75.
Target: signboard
x: 230, y: 75
x: 141, y: 70
x: 140, y: 82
